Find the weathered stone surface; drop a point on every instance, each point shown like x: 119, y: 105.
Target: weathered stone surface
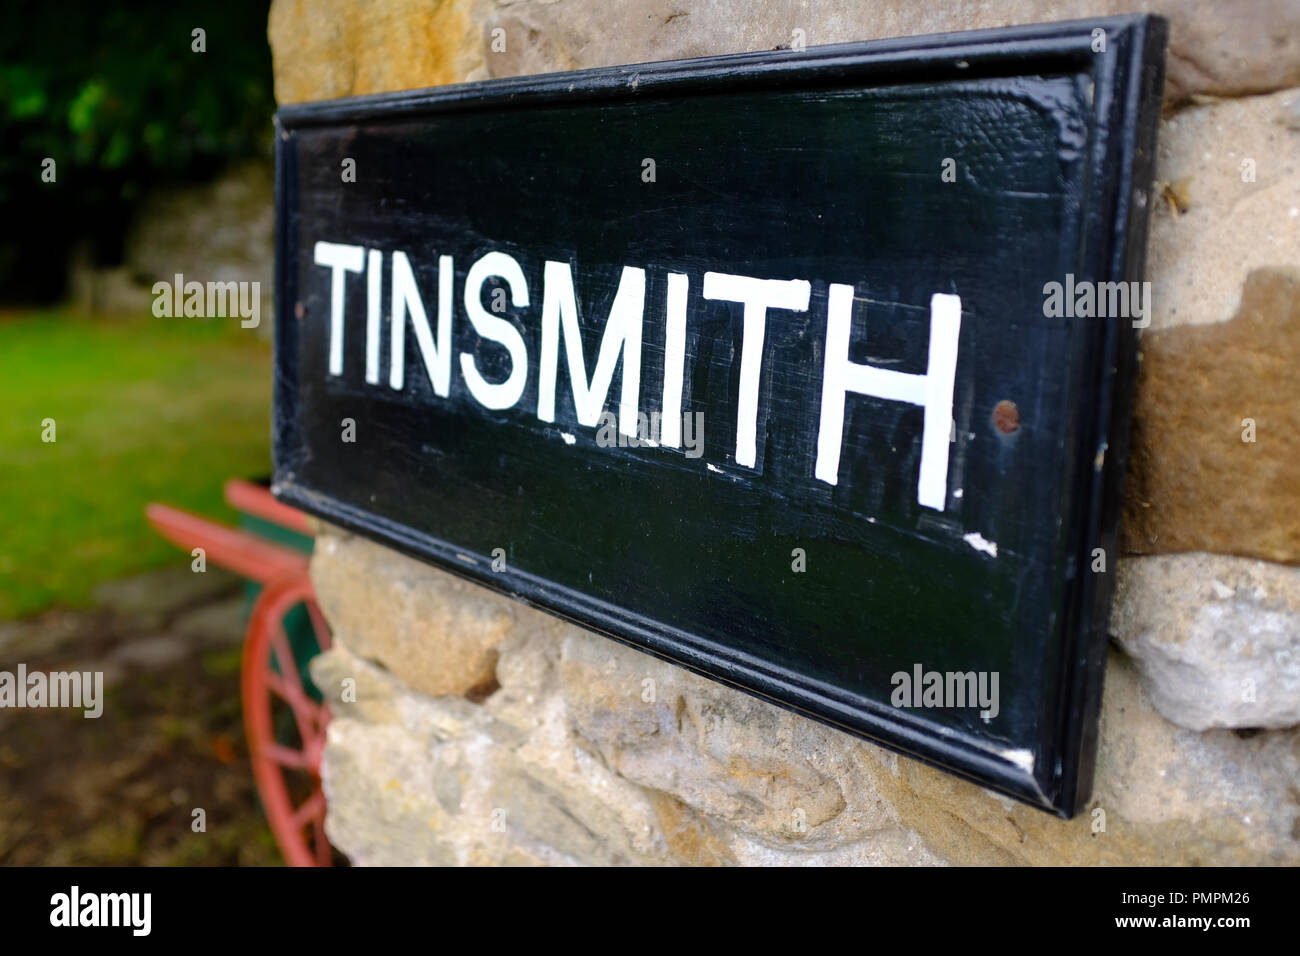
x: 514, y: 780
x: 1227, y: 265
x: 1235, y: 165
x: 435, y: 630
x: 413, y: 779
x: 1170, y: 796
x: 329, y: 48
x: 1216, y: 639
x: 570, y: 762
x: 644, y: 717
x: 221, y: 231
x: 1224, y: 49
x: 347, y: 47
x: 1214, y: 49
x: 217, y: 231
x: 1195, y: 483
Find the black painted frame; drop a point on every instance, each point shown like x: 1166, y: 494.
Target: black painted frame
x: 1128, y: 82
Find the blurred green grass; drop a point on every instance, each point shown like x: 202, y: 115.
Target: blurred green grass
x: 146, y: 409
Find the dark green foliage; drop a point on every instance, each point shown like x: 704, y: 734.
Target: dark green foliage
x: 117, y: 96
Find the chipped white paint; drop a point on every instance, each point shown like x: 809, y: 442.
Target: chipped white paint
x: 980, y: 543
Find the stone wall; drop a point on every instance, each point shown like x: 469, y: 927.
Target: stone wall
x: 218, y: 231
x: 486, y: 732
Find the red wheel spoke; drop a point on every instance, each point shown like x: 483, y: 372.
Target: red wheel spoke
x: 312, y: 809
x: 285, y: 756
x: 307, y: 714
x: 313, y: 750
x: 288, y: 665
x: 320, y: 625
x: 291, y: 695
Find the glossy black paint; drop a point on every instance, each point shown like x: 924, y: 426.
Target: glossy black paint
x: 822, y: 165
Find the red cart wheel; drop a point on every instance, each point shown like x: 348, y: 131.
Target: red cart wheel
x: 285, y: 727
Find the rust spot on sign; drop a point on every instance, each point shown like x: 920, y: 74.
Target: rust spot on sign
x: 1006, y: 417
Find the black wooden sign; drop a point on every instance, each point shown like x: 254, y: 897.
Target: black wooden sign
x: 807, y: 370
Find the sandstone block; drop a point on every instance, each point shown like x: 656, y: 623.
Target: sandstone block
x: 436, y: 630
x: 1216, y: 432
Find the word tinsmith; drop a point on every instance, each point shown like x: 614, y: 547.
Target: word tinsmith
x: 622, y: 341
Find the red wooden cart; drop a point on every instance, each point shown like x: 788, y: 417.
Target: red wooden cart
x: 285, y: 716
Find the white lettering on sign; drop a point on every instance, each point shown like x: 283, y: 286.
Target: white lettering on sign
x: 622, y: 339
x: 503, y: 394
x: 406, y: 298
x: 670, y: 434
x: 758, y: 295
x: 339, y: 258
x: 622, y: 333
x: 933, y: 390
